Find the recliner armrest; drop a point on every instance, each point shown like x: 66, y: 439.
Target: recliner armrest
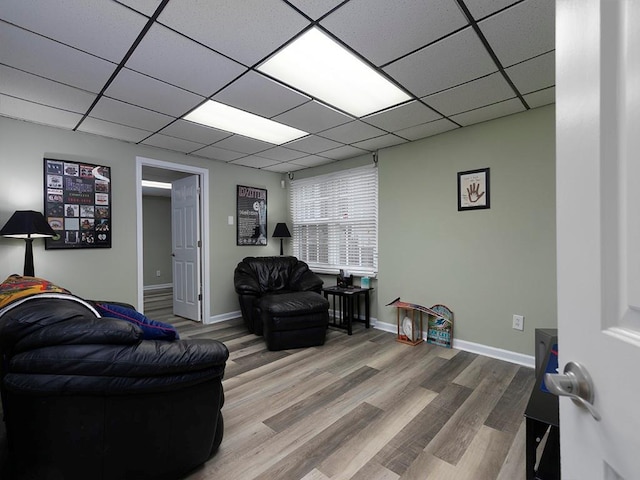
x: 306, y: 281
x: 245, y: 280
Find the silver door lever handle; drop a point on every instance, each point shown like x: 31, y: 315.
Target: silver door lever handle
x: 574, y: 383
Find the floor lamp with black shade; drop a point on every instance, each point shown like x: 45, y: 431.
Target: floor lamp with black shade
x: 281, y: 232
x: 27, y: 224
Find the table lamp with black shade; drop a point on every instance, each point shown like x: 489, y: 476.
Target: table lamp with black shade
x: 281, y: 232
x: 27, y: 224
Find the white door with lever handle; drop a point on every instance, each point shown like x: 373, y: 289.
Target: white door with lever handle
x: 598, y: 237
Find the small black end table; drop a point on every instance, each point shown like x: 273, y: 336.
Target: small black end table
x: 349, y: 302
x: 542, y: 415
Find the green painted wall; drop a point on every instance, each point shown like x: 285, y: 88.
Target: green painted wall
x: 486, y: 265
x: 112, y: 273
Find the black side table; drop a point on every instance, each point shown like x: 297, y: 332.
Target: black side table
x: 542, y: 415
x: 349, y: 302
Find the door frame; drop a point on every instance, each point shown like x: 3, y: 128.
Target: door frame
x: 204, y: 228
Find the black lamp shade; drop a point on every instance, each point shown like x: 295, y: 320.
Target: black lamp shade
x: 27, y: 224
x: 281, y: 232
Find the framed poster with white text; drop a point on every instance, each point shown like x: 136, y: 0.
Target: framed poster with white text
x: 251, y: 216
x: 77, y: 204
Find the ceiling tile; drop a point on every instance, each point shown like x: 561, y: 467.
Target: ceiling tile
x: 33, y: 112
x: 150, y: 93
x: 450, y: 62
x: 38, y: 55
x: 341, y: 153
x: 37, y: 89
x: 352, y: 132
x: 481, y: 8
x: 313, y: 117
x: 147, y: 7
x: 195, y: 132
x: 383, y: 31
x: 534, y: 74
x: 255, y: 162
x: 313, y: 144
x: 522, y: 31
x: 404, y: 116
x: 245, y: 145
x: 284, y: 167
x: 246, y: 31
x: 478, y: 93
x: 312, y: 161
x: 113, y: 130
x: 172, y: 143
x: 258, y: 94
x: 101, y: 28
x: 487, y: 113
x: 281, y: 154
x: 540, y: 98
x: 427, y: 129
x: 380, y: 142
x: 191, y: 54
x: 174, y: 59
x: 315, y: 8
x: 130, y: 115
x: 216, y: 153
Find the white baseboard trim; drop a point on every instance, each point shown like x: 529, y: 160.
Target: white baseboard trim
x: 472, y: 347
x: 493, y: 352
x: 157, y: 287
x: 223, y: 317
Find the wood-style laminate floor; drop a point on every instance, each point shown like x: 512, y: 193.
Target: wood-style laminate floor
x: 361, y: 407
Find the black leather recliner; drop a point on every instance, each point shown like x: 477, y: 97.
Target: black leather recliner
x: 87, y: 397
x: 280, y: 299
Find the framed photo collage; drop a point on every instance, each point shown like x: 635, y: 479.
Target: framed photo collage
x: 77, y: 204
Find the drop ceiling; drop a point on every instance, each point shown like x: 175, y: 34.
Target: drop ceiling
x: 131, y: 69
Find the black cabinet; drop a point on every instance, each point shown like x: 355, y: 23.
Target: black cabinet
x: 542, y: 416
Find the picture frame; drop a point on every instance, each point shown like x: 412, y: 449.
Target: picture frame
x: 474, y: 190
x: 77, y: 204
x: 251, y: 216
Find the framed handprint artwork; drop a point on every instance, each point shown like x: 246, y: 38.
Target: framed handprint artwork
x: 473, y: 189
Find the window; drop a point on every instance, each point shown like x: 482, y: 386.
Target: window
x: 335, y: 221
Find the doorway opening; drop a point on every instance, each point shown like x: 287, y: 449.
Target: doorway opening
x: 158, y: 170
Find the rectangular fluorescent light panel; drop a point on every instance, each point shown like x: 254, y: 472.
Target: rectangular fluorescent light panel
x: 151, y: 183
x: 318, y: 66
x: 234, y: 120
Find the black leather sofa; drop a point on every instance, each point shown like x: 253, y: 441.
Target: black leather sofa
x: 280, y: 299
x: 87, y: 397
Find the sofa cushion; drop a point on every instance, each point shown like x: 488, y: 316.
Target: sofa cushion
x: 270, y: 273
x: 292, y: 304
x: 150, y: 360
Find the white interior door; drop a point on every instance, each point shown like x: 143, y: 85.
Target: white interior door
x: 598, y: 227
x: 185, y: 234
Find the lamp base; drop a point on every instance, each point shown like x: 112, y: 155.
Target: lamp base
x: 28, y: 258
x: 281, y: 249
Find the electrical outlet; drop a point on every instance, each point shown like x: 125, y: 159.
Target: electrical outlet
x: 158, y: 274
x: 518, y: 322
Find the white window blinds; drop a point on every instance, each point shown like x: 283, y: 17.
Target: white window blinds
x: 335, y: 221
